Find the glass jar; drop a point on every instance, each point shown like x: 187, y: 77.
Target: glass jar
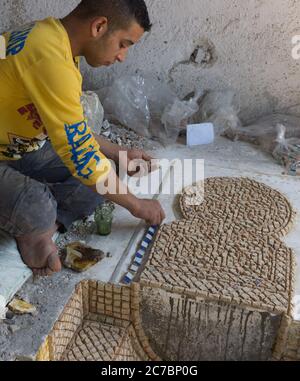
x: 104, y: 218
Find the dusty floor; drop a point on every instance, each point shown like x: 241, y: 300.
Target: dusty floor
x: 22, y: 335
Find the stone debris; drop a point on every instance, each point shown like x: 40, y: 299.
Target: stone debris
x: 13, y: 328
x: 79, y: 231
x: 80, y: 257
x: 117, y: 134
x: 124, y: 136
x: 9, y: 315
x: 20, y: 307
x: 106, y: 125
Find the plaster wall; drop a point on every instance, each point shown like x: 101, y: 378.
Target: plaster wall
x: 243, y: 45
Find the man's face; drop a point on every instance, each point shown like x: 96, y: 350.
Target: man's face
x: 112, y: 47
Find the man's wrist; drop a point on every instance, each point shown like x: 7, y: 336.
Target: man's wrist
x: 110, y: 150
x: 132, y: 203
x: 116, y: 153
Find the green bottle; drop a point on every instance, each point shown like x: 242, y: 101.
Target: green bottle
x: 104, y: 218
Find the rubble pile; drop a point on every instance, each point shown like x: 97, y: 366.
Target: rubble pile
x: 123, y: 136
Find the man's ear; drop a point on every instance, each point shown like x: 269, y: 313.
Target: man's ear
x: 99, y: 27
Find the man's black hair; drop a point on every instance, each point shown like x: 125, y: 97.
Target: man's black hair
x: 120, y: 13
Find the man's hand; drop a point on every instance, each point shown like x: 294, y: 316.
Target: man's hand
x: 150, y: 211
x: 139, y: 163
x: 132, y: 161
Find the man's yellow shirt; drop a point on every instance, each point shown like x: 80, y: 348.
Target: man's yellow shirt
x: 40, y: 90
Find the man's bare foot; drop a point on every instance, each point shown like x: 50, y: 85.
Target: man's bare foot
x: 39, y: 253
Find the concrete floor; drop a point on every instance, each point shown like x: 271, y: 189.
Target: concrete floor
x: 224, y: 158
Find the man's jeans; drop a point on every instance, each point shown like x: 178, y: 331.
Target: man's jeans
x: 39, y: 190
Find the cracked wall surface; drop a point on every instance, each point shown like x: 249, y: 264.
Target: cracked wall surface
x: 211, y: 44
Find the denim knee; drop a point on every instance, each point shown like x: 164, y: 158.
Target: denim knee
x: 34, y: 212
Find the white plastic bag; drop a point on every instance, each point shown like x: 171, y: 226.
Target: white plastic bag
x: 159, y: 96
x: 126, y: 102
x: 287, y: 152
x: 93, y: 111
x: 148, y: 106
x: 264, y: 132
x: 175, y: 116
x: 220, y: 109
